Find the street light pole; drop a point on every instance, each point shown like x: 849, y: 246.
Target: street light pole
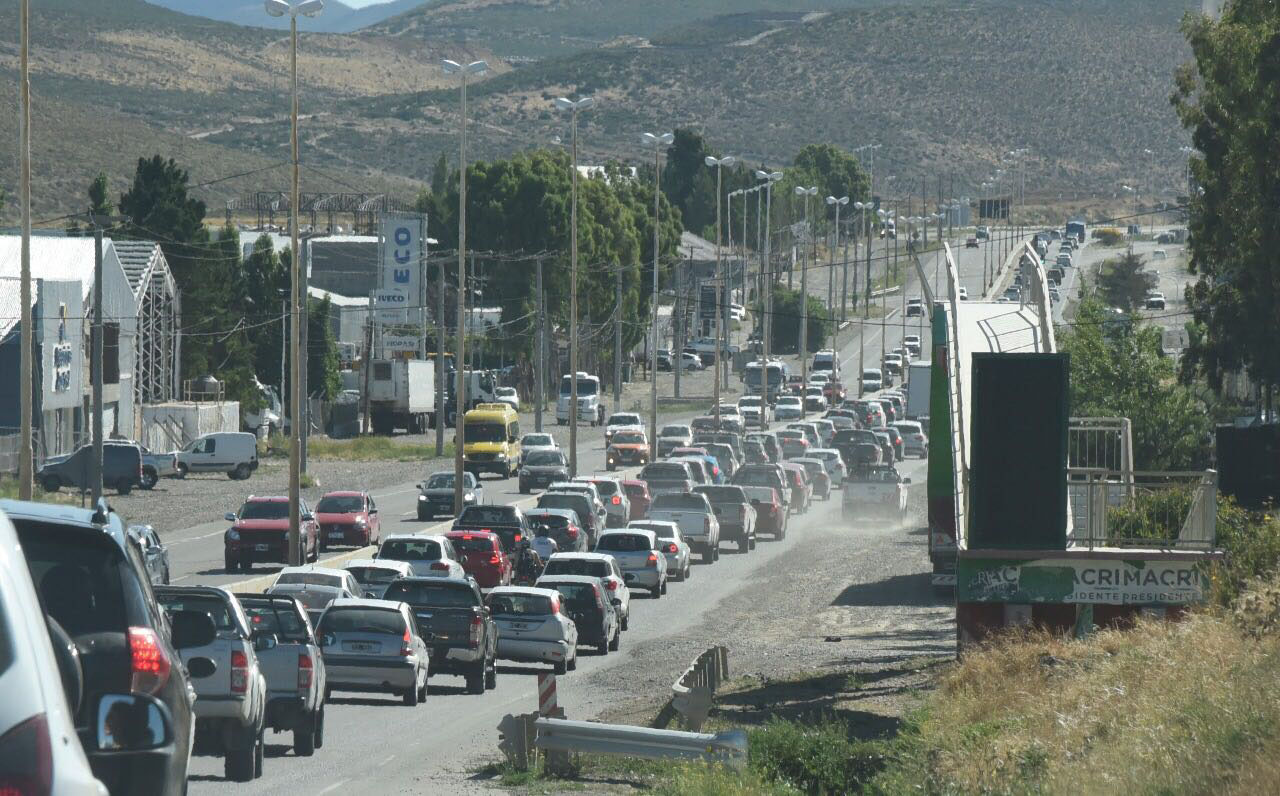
x: 310, y: 8
x: 657, y: 142
x: 718, y: 164
x: 768, y: 178
x: 803, y: 345
x: 459, y: 357
x: 837, y: 203
x: 26, y: 449
x: 564, y: 104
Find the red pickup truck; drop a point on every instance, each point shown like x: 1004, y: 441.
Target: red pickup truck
x: 260, y: 533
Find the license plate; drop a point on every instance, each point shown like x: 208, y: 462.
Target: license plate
x: 261, y: 548
x: 519, y: 626
x: 336, y: 535
x: 361, y: 646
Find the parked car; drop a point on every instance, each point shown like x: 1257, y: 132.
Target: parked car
x: 533, y: 627
x: 593, y: 611
x: 153, y: 551
x: 374, y: 575
x: 374, y: 646
x: 483, y: 556
x: 562, y: 525
x: 596, y: 565
x: 428, y: 556
x: 259, y: 533
x: 638, y: 555
x: 293, y: 668
x: 232, y: 452
x: 638, y: 493
x: 971, y: 243
x: 231, y: 702
x: 435, y: 497
x: 348, y: 518
x: 693, y: 514
x: 315, y: 586
x: 458, y: 629
x: 121, y: 469
x: 154, y: 465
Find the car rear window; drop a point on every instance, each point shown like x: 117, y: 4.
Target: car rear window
x: 484, y: 515
x: 277, y: 619
x: 674, y: 431
x: 309, y: 579
x: 439, y: 595
x: 373, y: 575
x: 606, y: 488
x: 362, y: 620
x: 577, y: 596
x: 660, y: 529
x: 754, y: 476
x: 635, y: 490
x: 683, y: 501
x: 215, y: 607
x: 410, y: 550
x: 576, y: 566
x: 723, y: 494
x: 575, y: 502
x: 664, y: 471
x: 82, y: 576
x: 623, y: 543
x: 550, y: 520
x: 474, y: 544
x: 519, y: 605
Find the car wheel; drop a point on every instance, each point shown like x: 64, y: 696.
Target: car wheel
x: 50, y: 483
x: 524, y: 489
x: 149, y: 478
x: 246, y: 565
x: 715, y: 553
x: 573, y: 662
x: 230, y: 564
x: 616, y: 641
x: 182, y: 470
x: 238, y: 762
x: 664, y: 587
x: 475, y: 680
x: 561, y: 667
x: 410, y: 696
x: 319, y: 725
x: 751, y: 543
x: 259, y: 752
x: 242, y: 472
x: 708, y: 556
x: 165, y: 581
x: 655, y: 592
x: 422, y: 692
x: 304, y: 737
x: 124, y: 487
x: 423, y: 516
x: 491, y: 676
x: 626, y: 621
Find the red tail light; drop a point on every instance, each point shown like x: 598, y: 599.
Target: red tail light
x: 494, y: 559
x: 305, y: 670
x: 611, y: 585
x: 239, y: 672
x: 26, y: 758
x: 149, y: 663
x: 477, y: 624
x: 573, y: 532
x: 617, y: 501
x: 671, y: 548
x: 653, y: 558
x: 439, y: 566
x: 406, y: 644
x: 517, y: 537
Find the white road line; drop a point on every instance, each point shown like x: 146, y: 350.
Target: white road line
x: 177, y: 542
x: 333, y: 787
x: 385, y: 760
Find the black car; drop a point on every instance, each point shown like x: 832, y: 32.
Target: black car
x: 456, y: 625
x: 770, y: 444
x: 578, y: 502
x: 508, y: 522
x: 540, y: 469
x: 95, y: 591
x: 153, y: 551
x: 566, y: 532
x: 592, y: 610
x: 121, y: 469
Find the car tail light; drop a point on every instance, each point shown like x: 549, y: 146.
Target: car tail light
x: 440, y: 566
x: 477, y: 624
x: 653, y: 558
x: 406, y: 644
x: 518, y: 537
x: 467, y: 536
x: 706, y: 524
x: 617, y: 501
x: 494, y: 559
x: 671, y: 548
x: 305, y: 670
x: 572, y: 531
x: 149, y: 663
x: 26, y: 758
x: 611, y: 585
x: 239, y: 672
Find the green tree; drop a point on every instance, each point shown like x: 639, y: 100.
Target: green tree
x: 1123, y: 283
x: 787, y: 321
x: 159, y: 208
x: 323, y: 380
x: 1117, y: 370
x: 266, y: 280
x: 440, y: 176
x: 1227, y: 97
x: 99, y: 203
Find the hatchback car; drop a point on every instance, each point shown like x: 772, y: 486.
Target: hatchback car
x: 374, y: 646
x: 593, y: 612
x: 914, y: 440
x: 436, y: 494
x: 375, y: 576
x: 637, y: 492
x: 597, y: 565
x: 533, y: 627
x: 672, y: 544
x: 636, y: 551
x: 562, y: 526
x: 428, y: 556
x: 482, y: 557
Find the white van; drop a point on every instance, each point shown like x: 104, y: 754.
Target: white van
x: 232, y: 452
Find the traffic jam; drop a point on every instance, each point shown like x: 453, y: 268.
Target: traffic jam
x: 128, y: 677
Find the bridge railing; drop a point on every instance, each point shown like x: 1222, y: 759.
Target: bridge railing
x: 1165, y: 510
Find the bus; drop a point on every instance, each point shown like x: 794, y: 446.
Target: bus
x: 778, y: 373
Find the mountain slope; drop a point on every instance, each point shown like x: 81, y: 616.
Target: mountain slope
x: 337, y: 17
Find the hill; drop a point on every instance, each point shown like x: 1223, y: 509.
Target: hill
x: 337, y: 17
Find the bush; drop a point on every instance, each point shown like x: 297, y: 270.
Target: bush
x: 814, y: 758
x: 1108, y: 236
x: 1252, y: 546
x: 1157, y: 514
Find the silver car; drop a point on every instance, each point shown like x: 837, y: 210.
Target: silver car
x: 617, y: 505
x: 914, y: 440
x: 672, y: 544
x: 373, y: 645
x: 672, y: 437
x: 533, y: 627
x: 834, y: 462
x: 375, y: 576
x: 637, y: 553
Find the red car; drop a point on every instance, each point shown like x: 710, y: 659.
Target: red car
x: 260, y: 533
x: 482, y: 557
x: 834, y: 392
x: 638, y: 492
x: 348, y: 518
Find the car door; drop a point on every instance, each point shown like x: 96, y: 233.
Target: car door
x: 202, y: 455
x: 375, y: 523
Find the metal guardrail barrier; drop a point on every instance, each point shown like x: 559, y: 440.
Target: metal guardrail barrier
x: 563, y: 735
x: 1173, y: 510
x: 692, y: 693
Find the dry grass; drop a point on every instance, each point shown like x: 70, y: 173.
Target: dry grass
x: 373, y: 449
x: 1184, y: 707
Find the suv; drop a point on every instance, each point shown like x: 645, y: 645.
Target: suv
x: 121, y: 468
x: 456, y: 625
x: 231, y: 703
x: 260, y: 532
x: 94, y: 589
x: 735, y: 513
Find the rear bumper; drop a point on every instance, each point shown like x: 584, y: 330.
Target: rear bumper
x: 372, y: 675
x: 731, y: 531
x: 531, y: 651
x: 644, y: 578
x: 452, y: 660
x: 286, y: 712
x: 223, y: 707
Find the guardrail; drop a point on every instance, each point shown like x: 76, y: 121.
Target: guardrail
x: 563, y: 735
x: 692, y: 693
x: 1143, y: 509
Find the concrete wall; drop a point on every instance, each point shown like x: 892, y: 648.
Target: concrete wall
x: 169, y: 426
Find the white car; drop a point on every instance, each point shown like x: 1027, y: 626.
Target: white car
x: 674, y: 436
x: 508, y: 396
x: 814, y: 399
x: 617, y: 505
x: 428, y: 556
x: 533, y: 626
x: 374, y: 645
x: 788, y: 407
x: 964, y: 293
x: 755, y: 411
x: 375, y: 576
x: 820, y: 378
x: 872, y: 380
x: 622, y: 421
x: 315, y: 586
x: 671, y: 542
x: 729, y: 410
x: 637, y: 553
x: 912, y: 343
x: 737, y: 312
x: 914, y: 440
x: 834, y: 463
x: 536, y: 442
x: 1154, y: 300
x: 36, y: 714
x: 692, y: 513
x: 691, y: 361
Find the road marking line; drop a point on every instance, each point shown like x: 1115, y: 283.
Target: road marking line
x: 387, y: 759
x: 177, y: 542
x: 333, y: 787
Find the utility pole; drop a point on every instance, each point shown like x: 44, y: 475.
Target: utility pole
x: 95, y: 364
x: 539, y: 353
x: 657, y: 142
x: 803, y: 344
x: 767, y: 279
x: 585, y: 103
x: 617, y: 340
x: 719, y: 282
x: 677, y: 344
x: 26, y: 450
x: 837, y: 203
x: 442, y: 411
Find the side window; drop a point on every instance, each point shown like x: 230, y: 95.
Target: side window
x: 210, y: 445
x: 515, y: 430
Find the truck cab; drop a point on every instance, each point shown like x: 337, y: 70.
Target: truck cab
x: 590, y: 410
x: 492, y: 440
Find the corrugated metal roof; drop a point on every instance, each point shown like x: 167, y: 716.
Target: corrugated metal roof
x: 60, y: 258
x: 137, y: 258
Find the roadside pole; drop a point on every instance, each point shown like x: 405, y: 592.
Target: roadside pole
x: 95, y: 364
x: 442, y: 411
x: 539, y: 353
x: 617, y: 340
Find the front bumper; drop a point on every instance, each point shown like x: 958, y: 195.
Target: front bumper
x: 434, y: 507
x: 732, y: 531
x: 532, y: 651
x: 477, y: 466
x: 345, y: 534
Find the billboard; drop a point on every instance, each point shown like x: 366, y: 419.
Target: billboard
x: 402, y: 249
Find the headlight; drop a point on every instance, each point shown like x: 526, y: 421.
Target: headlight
x: 361, y: 521
x: 502, y: 457
x: 524, y: 471
x: 233, y: 535
x: 469, y: 496
x: 422, y: 497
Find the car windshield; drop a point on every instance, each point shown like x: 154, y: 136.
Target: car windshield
x: 214, y: 607
x: 488, y: 515
x: 723, y: 494
x: 373, y: 575
x: 437, y: 594
x: 485, y: 431
x: 544, y: 459
x: 751, y: 477
x: 585, y: 386
x: 274, y: 618
x: 308, y: 579
x: 674, y: 431
x: 789, y: 401
x: 623, y: 543
x: 628, y: 438
x: 519, y: 605
x: 340, y: 504
x: 410, y: 550
x: 537, y: 440
x: 558, y: 565
x: 624, y: 420
x: 440, y: 481
x: 380, y: 621
x: 265, y: 510
x: 684, y: 501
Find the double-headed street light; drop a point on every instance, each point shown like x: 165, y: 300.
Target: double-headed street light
x: 657, y: 142
x: 831, y: 274
x: 767, y: 179
x: 808, y: 193
x: 718, y: 164
x: 573, y: 107
x: 459, y: 357
x: 307, y: 8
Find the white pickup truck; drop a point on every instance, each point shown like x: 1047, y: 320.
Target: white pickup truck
x: 231, y: 699
x: 693, y: 514
x: 875, y: 492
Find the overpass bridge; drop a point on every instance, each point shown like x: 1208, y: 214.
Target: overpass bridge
x: 1035, y: 516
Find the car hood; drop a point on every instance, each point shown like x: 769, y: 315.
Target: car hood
x: 484, y: 447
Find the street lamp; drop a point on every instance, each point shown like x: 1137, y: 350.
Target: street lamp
x: 808, y: 193
x: 657, y: 142
x: 767, y: 179
x: 718, y: 164
x: 573, y: 107
x: 831, y: 275
x: 308, y: 8
x: 460, y: 386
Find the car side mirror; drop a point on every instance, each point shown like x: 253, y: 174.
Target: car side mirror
x: 132, y: 722
x: 308, y: 517
x: 190, y: 629
x: 906, y: 480
x: 230, y: 516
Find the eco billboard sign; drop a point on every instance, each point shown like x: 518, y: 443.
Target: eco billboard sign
x: 1079, y: 581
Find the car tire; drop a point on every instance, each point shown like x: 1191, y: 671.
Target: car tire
x: 149, y: 478
x: 242, y: 472
x: 708, y: 556
x: 656, y: 592
x: 524, y: 489
x: 238, y: 762
x: 664, y: 587
x: 304, y: 737
x: 688, y: 570
x: 561, y: 667
x: 319, y: 728
x: 422, y: 692
x: 423, y: 516
x: 259, y: 752
x: 491, y: 676
x: 410, y: 696
x: 230, y: 564
x: 165, y: 581
x: 626, y: 621
x: 751, y: 543
x: 744, y: 545
x: 51, y: 483
x: 246, y: 566
x: 715, y: 552
x: 616, y: 641
x: 475, y: 680
x: 572, y: 665
x: 182, y: 470
x: 124, y: 487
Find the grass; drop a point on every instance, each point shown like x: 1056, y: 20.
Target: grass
x: 373, y: 448
x: 9, y: 491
